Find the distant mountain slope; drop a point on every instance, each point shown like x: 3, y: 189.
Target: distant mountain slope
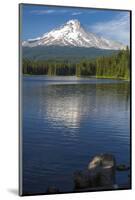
x: 72, y: 33
x: 57, y: 52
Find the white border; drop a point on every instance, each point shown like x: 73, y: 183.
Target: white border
x: 9, y: 98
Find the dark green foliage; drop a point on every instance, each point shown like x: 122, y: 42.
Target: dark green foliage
x: 114, y: 66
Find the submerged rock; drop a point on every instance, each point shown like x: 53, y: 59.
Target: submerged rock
x: 52, y: 190
x: 115, y: 186
x: 122, y: 167
x: 85, y: 179
x: 82, y: 179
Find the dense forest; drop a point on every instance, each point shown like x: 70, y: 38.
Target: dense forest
x: 113, y: 66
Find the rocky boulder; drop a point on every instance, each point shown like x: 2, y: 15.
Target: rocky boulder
x: 100, y: 173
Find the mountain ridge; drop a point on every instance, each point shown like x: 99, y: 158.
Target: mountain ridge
x: 72, y: 33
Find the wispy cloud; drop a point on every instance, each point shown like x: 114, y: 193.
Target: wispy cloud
x: 117, y: 29
x: 49, y: 11
x: 62, y: 11
x: 76, y: 13
x: 42, y: 12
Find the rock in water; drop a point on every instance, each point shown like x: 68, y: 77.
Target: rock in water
x: 82, y: 179
x: 52, y: 190
x: 100, y: 173
x: 103, y: 165
x: 122, y: 167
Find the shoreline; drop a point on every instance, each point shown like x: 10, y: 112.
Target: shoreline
x: 96, y: 77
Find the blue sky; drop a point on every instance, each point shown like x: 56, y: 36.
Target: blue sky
x: 37, y: 20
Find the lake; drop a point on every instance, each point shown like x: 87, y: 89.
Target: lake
x: 68, y: 120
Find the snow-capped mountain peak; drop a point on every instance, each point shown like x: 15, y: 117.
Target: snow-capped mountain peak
x: 72, y: 34
x: 74, y: 23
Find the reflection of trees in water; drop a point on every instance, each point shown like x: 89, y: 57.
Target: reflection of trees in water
x: 70, y: 104
x: 113, y: 96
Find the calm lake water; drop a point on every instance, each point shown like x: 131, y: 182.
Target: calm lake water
x: 68, y: 120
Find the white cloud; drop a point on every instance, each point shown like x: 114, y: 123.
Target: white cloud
x: 49, y: 11
x: 117, y: 29
x: 42, y: 12
x: 76, y: 13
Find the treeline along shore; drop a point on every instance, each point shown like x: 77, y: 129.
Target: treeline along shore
x: 113, y: 66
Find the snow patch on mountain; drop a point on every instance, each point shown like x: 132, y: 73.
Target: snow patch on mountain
x: 72, y: 34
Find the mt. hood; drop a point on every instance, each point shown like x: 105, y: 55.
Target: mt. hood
x: 73, y: 34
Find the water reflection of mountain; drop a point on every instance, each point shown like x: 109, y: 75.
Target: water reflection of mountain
x: 69, y: 105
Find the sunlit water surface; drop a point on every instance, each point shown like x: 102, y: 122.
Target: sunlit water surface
x: 68, y: 120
